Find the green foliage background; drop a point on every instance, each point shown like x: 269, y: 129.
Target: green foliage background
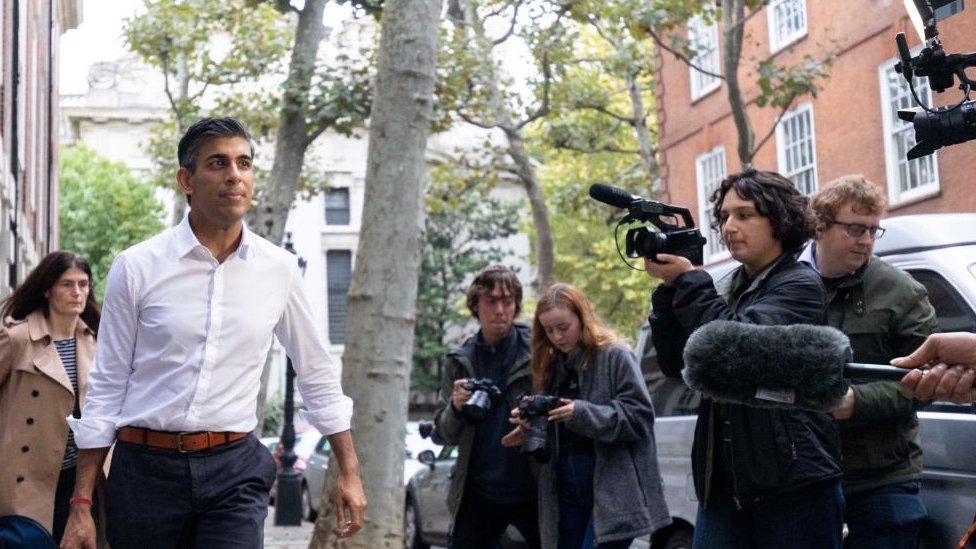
x: 104, y: 209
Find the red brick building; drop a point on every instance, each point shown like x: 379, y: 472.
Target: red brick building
x: 850, y: 127
x: 29, y: 34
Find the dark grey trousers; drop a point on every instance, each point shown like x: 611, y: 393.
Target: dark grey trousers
x: 216, y: 498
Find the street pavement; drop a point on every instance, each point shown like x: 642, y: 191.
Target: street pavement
x: 286, y: 537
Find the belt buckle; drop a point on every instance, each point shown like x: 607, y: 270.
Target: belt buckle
x: 179, y: 443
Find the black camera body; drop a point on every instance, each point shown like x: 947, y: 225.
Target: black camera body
x: 535, y: 409
x: 671, y: 238
x: 483, y: 394
x: 943, y: 126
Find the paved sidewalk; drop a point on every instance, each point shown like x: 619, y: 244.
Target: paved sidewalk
x: 286, y: 537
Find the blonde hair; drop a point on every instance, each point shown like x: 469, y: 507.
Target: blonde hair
x: 868, y: 198
x: 594, y: 334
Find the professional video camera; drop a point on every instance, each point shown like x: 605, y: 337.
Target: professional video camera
x: 950, y: 125
x: 483, y: 393
x: 535, y: 409
x: 684, y: 240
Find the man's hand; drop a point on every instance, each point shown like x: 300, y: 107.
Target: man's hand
x: 948, y: 348
x: 514, y: 438
x: 350, y: 505
x: 460, y: 395
x: 942, y: 382
x: 846, y: 408
x: 668, y: 267
x: 79, y: 532
x: 564, y: 412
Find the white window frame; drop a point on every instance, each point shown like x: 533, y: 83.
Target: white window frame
x: 893, y: 163
x: 782, y: 147
x: 777, y: 42
x: 702, y: 84
x: 712, y: 253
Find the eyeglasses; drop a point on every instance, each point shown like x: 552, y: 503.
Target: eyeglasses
x: 856, y: 230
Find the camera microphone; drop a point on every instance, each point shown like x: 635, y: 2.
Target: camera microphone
x: 801, y: 366
x: 614, y: 196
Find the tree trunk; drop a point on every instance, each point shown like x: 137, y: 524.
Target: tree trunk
x: 382, y: 298
x: 291, y: 142
x: 292, y: 138
x: 733, y: 11
x: 545, y: 254
x: 644, y: 141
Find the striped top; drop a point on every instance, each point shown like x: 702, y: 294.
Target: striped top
x: 68, y: 353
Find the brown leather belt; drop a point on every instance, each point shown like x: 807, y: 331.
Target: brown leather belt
x: 183, y: 442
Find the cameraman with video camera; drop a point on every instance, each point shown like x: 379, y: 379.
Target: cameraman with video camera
x: 765, y: 478
x: 492, y: 487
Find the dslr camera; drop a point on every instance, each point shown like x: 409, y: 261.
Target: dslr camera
x: 670, y: 238
x: 535, y: 409
x: 483, y: 394
x: 942, y: 126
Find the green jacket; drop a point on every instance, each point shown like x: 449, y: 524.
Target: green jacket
x: 886, y: 314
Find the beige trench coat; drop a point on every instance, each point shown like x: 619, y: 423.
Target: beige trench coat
x: 35, y: 398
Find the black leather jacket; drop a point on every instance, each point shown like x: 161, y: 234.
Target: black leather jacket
x: 771, y: 451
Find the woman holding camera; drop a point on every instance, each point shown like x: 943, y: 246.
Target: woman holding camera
x: 601, y: 486
x: 47, y: 344
x: 765, y: 478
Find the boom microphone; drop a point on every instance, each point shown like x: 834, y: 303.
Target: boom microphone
x: 801, y: 365
x: 614, y: 196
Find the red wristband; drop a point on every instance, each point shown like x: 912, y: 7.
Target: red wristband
x: 81, y: 501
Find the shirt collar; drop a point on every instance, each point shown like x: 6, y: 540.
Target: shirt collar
x: 809, y: 256
x: 186, y: 241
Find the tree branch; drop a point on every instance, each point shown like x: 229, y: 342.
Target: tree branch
x: 594, y: 150
x: 511, y: 28
x: 314, y: 131
x: 680, y: 56
x: 164, y: 59
x: 543, y: 109
x: 472, y: 121
x: 772, y: 131
x: 601, y: 109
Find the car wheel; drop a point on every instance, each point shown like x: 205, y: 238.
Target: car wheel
x: 308, y: 513
x: 680, y: 539
x: 411, y: 527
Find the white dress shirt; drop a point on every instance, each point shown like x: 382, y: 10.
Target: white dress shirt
x: 183, y: 340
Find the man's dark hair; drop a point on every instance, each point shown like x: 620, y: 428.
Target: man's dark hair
x: 486, y: 281
x: 204, y: 130
x: 775, y: 198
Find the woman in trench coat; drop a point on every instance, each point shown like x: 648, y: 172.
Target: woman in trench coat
x: 47, y: 344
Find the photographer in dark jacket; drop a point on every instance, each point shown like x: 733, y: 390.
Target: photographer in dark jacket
x: 765, y: 478
x: 492, y: 487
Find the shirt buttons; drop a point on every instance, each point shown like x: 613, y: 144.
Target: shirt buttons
x: 30, y: 421
x: 35, y: 393
x: 24, y: 448
x: 20, y: 478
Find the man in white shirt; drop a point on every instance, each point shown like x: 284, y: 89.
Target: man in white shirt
x: 187, y: 321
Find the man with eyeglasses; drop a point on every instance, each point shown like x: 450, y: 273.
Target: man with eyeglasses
x: 492, y: 486
x: 886, y: 314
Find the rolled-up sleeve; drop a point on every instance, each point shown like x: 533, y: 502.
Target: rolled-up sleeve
x: 318, y: 374
x: 109, y: 376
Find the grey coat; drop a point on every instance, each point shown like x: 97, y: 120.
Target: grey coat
x: 614, y: 409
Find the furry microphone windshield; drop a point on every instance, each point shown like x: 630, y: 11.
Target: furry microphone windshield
x: 799, y: 366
